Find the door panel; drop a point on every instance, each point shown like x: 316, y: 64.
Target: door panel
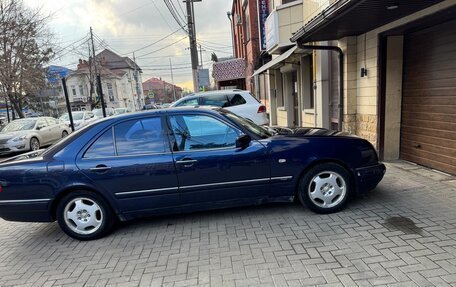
x: 428, y: 130
x: 210, y: 168
x: 138, y: 170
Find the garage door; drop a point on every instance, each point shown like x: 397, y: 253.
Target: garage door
x: 428, y: 127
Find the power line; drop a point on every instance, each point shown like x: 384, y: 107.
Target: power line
x: 158, y: 41
x: 161, y: 15
x: 176, y: 15
x: 163, y: 47
x: 68, y: 46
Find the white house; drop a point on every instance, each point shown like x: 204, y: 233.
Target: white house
x: 121, y: 83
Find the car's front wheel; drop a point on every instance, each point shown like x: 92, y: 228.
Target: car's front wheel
x: 34, y: 144
x: 64, y: 134
x: 325, y: 188
x: 85, y: 215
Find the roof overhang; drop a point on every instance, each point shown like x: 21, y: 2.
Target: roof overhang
x: 276, y: 61
x: 354, y: 17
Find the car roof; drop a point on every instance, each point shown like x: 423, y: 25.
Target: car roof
x: 210, y: 109
x: 209, y: 93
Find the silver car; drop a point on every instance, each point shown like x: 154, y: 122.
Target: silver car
x: 80, y: 119
x: 31, y: 134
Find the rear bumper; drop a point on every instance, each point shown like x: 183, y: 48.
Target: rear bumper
x: 369, y: 177
x: 34, y: 210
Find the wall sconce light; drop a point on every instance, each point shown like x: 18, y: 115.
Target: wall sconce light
x: 363, y: 72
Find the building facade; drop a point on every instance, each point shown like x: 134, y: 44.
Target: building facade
x: 398, y: 73
x: 382, y: 70
x: 120, y: 81
x: 157, y: 91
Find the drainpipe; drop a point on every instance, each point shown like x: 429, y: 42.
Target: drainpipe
x: 341, y: 74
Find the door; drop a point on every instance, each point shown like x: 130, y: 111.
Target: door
x: 131, y: 162
x: 294, y: 90
x: 428, y: 125
x: 45, y: 131
x: 210, y: 168
x: 56, y: 130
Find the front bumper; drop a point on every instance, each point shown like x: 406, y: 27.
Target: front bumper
x: 369, y: 177
x: 12, y: 147
x: 33, y: 210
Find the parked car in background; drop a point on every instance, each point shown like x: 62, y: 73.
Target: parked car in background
x: 119, y: 111
x: 150, y: 107
x: 31, y: 134
x: 98, y: 113
x: 242, y: 103
x: 80, y: 119
x: 181, y: 160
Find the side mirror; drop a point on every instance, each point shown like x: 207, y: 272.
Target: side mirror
x: 243, y: 141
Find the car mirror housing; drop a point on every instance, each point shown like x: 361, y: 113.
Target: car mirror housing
x: 243, y: 141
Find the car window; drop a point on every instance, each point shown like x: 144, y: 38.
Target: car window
x: 102, y: 147
x: 51, y: 121
x: 215, y: 100
x: 189, y: 102
x: 236, y: 100
x: 139, y: 137
x: 41, y: 123
x: 197, y: 132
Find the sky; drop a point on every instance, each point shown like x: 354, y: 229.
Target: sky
x: 127, y: 26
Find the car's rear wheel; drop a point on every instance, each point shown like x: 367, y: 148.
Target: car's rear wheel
x: 85, y: 215
x: 34, y: 144
x: 64, y: 134
x: 325, y: 188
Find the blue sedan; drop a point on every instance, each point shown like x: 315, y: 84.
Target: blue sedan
x: 181, y: 160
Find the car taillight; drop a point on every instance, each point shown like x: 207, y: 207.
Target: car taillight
x: 261, y: 109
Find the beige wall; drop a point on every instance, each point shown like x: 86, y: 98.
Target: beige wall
x: 312, y: 8
x: 282, y: 117
x: 290, y: 20
x: 393, y: 97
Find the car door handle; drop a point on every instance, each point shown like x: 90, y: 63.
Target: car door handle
x: 187, y: 162
x: 100, y: 168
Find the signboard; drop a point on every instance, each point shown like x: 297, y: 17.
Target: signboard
x: 203, y: 78
x: 272, y: 31
x: 263, y: 12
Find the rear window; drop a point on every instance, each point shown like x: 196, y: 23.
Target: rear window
x: 255, y: 97
x: 215, y: 100
x: 236, y: 100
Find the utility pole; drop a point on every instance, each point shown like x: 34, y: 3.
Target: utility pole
x: 172, y: 80
x: 92, y: 80
x: 192, y: 39
x: 136, y: 83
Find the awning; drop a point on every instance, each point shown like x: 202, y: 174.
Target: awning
x: 354, y: 17
x: 275, y: 61
x: 227, y: 70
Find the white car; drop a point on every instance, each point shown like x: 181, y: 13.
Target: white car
x: 80, y: 119
x: 240, y: 102
x: 118, y: 111
x: 31, y: 134
x: 98, y: 113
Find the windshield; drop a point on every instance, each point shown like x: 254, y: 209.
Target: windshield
x: 77, y: 116
x: 20, y: 125
x: 249, y: 125
x: 98, y: 112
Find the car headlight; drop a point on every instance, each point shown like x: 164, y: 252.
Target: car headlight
x: 19, y: 138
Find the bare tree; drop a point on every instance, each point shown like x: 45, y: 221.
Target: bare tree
x: 25, y: 46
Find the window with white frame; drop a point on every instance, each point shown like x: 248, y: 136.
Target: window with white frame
x: 73, y: 90
x: 81, y: 90
x: 110, y: 92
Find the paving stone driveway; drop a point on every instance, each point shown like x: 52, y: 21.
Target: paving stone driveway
x: 402, y: 234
